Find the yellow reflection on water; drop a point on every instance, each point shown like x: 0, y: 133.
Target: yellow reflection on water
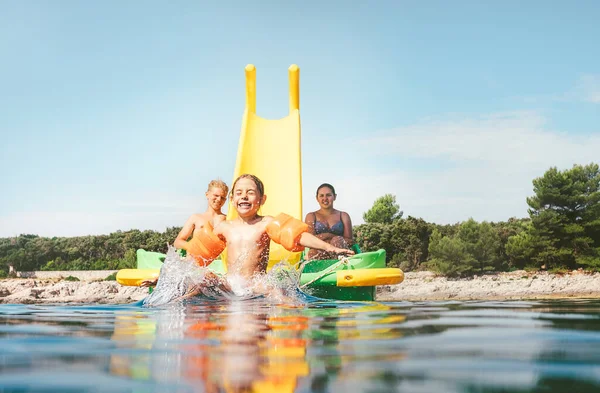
x: 239, y: 346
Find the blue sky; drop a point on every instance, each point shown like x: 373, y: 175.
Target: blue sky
x: 115, y: 115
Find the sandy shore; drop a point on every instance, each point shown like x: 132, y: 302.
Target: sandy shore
x: 418, y: 286
x: 35, y: 291
x: 503, y: 286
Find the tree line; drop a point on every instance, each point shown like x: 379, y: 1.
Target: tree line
x: 103, y: 252
x: 561, y: 233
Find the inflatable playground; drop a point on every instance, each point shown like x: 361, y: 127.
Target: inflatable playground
x: 347, y: 278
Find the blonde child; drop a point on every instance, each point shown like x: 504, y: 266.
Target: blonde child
x: 216, y: 195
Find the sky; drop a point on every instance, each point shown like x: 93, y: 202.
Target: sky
x: 115, y: 115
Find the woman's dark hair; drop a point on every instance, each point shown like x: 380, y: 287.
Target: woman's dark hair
x: 326, y: 185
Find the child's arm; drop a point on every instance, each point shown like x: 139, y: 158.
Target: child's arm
x: 184, y: 234
x: 291, y: 233
x: 311, y: 241
x: 207, y: 244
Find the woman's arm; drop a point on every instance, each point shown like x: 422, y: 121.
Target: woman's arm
x: 310, y: 221
x: 348, y: 236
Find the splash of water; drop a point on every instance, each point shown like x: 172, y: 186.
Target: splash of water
x: 181, y: 278
x: 177, y: 278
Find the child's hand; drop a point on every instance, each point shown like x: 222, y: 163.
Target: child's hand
x: 149, y: 283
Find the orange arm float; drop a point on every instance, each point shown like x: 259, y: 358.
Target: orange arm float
x: 205, y: 246
x: 286, y: 230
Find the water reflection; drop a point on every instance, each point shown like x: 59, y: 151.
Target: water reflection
x: 245, y: 346
x: 237, y: 346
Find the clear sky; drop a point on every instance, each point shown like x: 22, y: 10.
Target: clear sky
x: 116, y: 114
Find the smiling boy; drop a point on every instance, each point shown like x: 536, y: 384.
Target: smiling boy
x: 248, y: 236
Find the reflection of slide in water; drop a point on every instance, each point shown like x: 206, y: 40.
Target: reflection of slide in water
x: 133, y: 332
x: 243, y: 345
x: 270, y: 149
x: 145, y: 342
x: 234, y: 346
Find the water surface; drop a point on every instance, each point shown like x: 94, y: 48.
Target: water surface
x: 252, y: 345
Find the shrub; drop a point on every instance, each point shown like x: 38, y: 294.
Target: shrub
x: 558, y: 270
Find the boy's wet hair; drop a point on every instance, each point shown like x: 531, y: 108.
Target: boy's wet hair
x: 326, y: 185
x: 259, y: 184
x: 218, y: 183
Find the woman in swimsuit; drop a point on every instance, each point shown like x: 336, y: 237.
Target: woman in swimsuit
x: 328, y: 224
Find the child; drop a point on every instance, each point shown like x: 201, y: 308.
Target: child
x: 216, y: 195
x: 248, y: 236
x: 248, y: 240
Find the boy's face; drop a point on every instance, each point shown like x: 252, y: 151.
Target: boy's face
x: 216, y: 197
x: 246, y: 198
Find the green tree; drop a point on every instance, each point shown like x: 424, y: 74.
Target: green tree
x: 506, y: 230
x: 449, y: 256
x: 374, y: 236
x: 565, y: 213
x: 520, y: 248
x: 411, y: 237
x: 385, y: 210
x: 113, y: 251
x: 482, y: 242
x: 405, y: 241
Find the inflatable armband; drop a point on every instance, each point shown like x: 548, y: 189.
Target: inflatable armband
x: 286, y: 230
x: 205, y: 246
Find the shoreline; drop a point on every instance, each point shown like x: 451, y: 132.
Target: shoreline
x: 417, y: 286
x: 57, y: 290
x: 517, y: 285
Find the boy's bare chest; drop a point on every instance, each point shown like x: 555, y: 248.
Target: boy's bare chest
x: 249, y: 234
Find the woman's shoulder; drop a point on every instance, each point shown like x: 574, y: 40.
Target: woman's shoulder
x: 344, y: 214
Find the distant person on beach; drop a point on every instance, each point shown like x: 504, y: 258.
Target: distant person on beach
x: 216, y: 196
x: 328, y: 224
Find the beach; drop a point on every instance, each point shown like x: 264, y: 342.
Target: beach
x: 517, y: 285
x: 43, y: 291
x: 417, y: 286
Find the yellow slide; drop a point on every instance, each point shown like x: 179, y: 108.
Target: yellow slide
x: 270, y: 149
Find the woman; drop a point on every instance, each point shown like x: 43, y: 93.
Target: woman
x: 328, y: 224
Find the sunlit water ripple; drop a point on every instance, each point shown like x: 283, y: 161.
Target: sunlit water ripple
x: 252, y: 345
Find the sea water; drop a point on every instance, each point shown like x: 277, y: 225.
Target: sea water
x: 318, y: 346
